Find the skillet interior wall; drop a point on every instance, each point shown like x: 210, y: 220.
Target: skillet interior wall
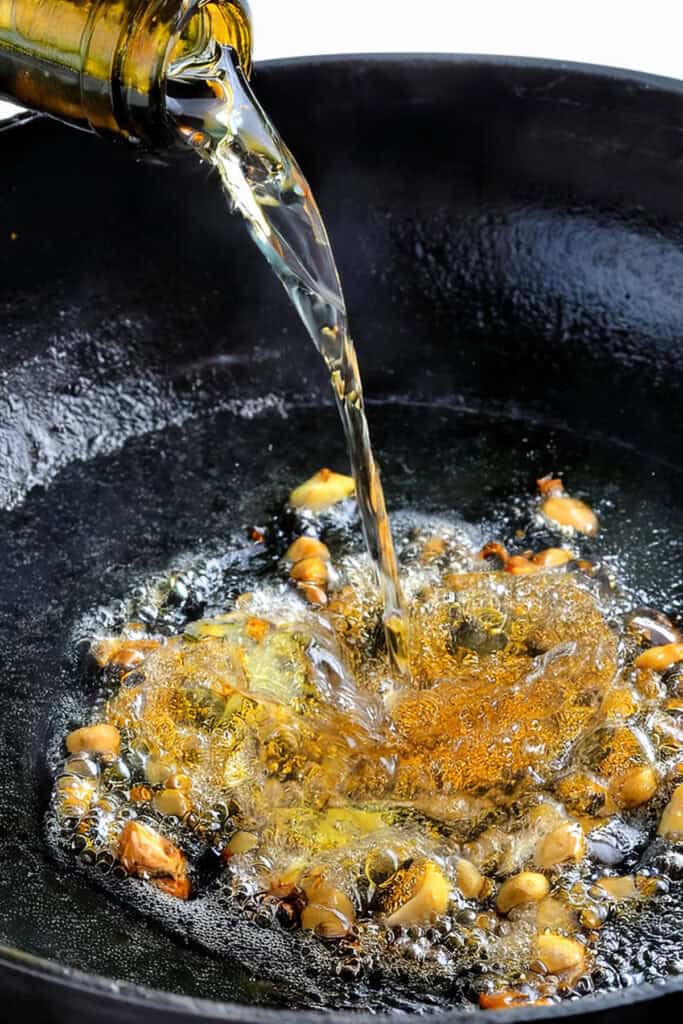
x: 483, y: 215
x: 506, y: 233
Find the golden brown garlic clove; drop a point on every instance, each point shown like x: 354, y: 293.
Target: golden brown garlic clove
x: 494, y: 549
x: 565, y: 843
x: 660, y: 658
x: 323, y: 489
x: 328, y: 911
x: 94, y: 739
x: 171, y: 802
x: 629, y: 887
x: 469, y: 879
x: 671, y: 821
x: 178, y: 887
x: 313, y: 594
x: 416, y: 894
x: 508, y: 999
x: 311, y: 571
x: 552, y: 558
x: 570, y: 513
x: 241, y: 842
x: 122, y: 652
x: 307, y: 547
x: 526, y: 887
x: 635, y: 787
x: 146, y: 854
x: 557, y: 953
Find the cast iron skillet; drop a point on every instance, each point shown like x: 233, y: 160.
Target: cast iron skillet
x: 509, y: 234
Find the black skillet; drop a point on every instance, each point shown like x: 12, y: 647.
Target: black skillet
x: 510, y: 237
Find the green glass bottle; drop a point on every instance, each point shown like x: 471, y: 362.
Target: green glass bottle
x: 101, y: 64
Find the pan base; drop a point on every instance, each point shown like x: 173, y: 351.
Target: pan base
x: 446, y: 463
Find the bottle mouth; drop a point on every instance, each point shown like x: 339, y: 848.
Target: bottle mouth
x: 208, y: 22
x: 168, y: 32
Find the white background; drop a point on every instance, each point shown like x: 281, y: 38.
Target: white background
x: 647, y: 35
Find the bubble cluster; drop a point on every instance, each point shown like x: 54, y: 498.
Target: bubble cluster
x: 488, y: 826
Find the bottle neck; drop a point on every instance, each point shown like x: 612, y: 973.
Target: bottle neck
x: 101, y: 64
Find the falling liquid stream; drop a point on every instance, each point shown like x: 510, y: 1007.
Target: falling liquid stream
x: 219, y: 116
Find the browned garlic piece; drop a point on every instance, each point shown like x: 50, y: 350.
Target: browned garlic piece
x: 123, y: 653
x: 526, y: 887
x: 565, y: 843
x: 94, y: 739
x: 143, y: 852
x: 627, y: 887
x: 329, y: 912
x: 307, y: 547
x: 323, y: 489
x: 671, y: 821
x: 636, y: 787
x: 416, y: 894
x: 241, y: 842
x: 470, y: 880
x: 564, y: 511
x: 660, y: 658
x: 309, y: 570
x: 558, y: 953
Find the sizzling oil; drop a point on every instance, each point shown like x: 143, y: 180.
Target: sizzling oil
x: 529, y: 715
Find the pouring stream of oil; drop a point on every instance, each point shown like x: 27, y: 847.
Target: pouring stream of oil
x: 219, y: 116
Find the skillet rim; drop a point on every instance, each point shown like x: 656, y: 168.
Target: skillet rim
x: 58, y: 977
x: 647, y: 79
x: 134, y: 996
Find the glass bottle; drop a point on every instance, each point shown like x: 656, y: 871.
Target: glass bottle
x: 101, y: 64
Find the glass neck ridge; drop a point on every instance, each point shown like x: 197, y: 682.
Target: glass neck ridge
x: 101, y: 64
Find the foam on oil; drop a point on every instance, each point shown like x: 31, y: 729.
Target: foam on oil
x: 471, y: 948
